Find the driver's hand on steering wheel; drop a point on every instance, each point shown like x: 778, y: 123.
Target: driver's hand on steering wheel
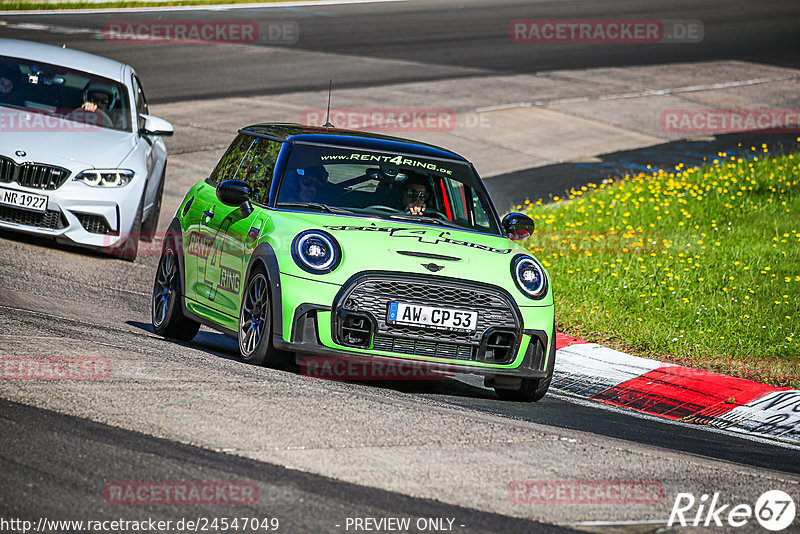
x: 89, y: 106
x: 416, y: 210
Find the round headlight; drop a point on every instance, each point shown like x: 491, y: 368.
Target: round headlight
x: 105, y: 178
x: 529, y: 276
x: 90, y: 178
x: 316, y: 252
x: 110, y: 179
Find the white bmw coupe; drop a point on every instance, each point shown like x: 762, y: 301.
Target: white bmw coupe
x: 81, y: 160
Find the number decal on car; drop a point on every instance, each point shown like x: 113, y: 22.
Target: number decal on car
x: 214, y: 256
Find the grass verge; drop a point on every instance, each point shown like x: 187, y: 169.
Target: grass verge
x: 697, y: 266
x: 34, y: 5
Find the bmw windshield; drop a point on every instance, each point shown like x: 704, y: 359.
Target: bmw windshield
x: 56, y: 91
x: 400, y: 187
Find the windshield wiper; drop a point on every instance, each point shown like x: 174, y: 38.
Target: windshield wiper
x: 313, y: 205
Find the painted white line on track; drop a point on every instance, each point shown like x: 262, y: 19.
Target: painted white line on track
x: 215, y: 7
x: 640, y: 94
x: 662, y: 92
x: 52, y: 28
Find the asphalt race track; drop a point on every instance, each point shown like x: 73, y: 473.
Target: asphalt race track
x: 320, y: 451
x: 424, y: 40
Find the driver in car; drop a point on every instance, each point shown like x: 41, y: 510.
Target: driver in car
x: 305, y: 184
x: 95, y: 100
x: 8, y: 85
x: 98, y: 100
x: 415, y: 195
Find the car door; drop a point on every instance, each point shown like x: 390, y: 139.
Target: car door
x: 152, y: 148
x: 233, y: 236
x: 199, y: 238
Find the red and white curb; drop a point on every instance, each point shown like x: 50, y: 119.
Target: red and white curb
x: 675, y: 392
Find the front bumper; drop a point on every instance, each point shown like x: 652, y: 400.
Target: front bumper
x: 312, y: 325
x: 76, y: 214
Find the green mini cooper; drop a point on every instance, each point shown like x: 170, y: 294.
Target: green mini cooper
x: 334, y: 243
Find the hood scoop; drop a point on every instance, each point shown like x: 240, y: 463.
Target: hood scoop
x: 427, y: 255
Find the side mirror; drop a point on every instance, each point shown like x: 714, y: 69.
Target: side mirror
x: 236, y: 193
x: 518, y: 226
x: 155, y: 126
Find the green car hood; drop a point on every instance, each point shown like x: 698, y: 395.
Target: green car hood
x: 379, y: 245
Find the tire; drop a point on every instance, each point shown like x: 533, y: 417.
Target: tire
x: 166, y: 314
x: 532, y: 389
x: 129, y: 248
x: 150, y: 226
x: 255, y: 322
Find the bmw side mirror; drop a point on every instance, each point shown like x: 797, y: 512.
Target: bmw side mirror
x: 155, y: 126
x: 236, y: 193
x: 517, y: 226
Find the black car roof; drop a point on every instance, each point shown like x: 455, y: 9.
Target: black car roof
x: 354, y: 138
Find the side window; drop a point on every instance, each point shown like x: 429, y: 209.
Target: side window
x: 229, y: 164
x: 258, y: 166
x: 457, y: 197
x: 140, y: 102
x: 481, y: 213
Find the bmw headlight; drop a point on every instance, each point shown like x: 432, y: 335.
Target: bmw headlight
x: 106, y: 177
x: 529, y: 276
x: 316, y: 252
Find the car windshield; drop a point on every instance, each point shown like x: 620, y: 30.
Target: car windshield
x: 403, y: 187
x: 62, y: 92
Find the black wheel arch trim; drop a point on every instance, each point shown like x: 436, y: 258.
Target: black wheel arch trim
x: 264, y: 256
x: 174, y: 231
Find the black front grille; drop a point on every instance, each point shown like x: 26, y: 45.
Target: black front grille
x: 52, y: 220
x: 37, y: 175
x: 425, y: 348
x: 95, y: 224
x: 433, y: 292
x: 441, y: 335
x: 371, y: 294
x: 7, y: 169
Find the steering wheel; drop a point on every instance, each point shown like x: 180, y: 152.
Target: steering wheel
x: 384, y: 208
x: 90, y: 117
x: 435, y: 214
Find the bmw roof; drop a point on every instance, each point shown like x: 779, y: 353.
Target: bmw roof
x: 65, y: 57
x: 354, y: 138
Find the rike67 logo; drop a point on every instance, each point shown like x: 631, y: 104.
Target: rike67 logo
x: 774, y: 511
